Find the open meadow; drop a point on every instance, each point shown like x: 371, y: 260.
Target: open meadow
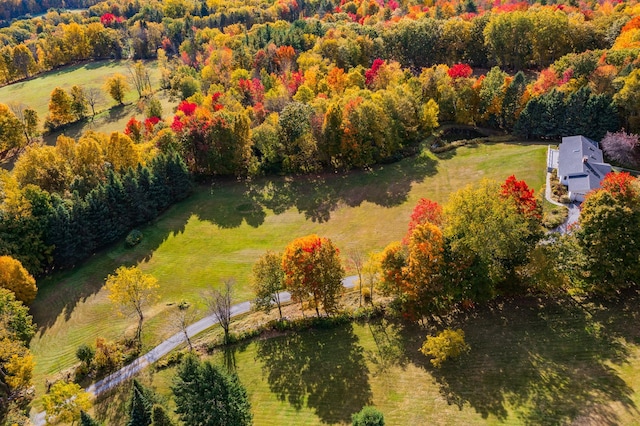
x: 223, y: 228
x: 88, y: 75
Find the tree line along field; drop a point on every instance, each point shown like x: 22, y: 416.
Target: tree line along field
x: 222, y: 229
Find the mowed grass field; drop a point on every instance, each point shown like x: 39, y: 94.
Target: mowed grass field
x: 36, y: 92
x: 222, y: 229
x: 531, y: 362
x: 109, y: 117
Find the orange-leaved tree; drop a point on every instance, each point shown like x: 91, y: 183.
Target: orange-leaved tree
x: 425, y: 264
x: 313, y: 272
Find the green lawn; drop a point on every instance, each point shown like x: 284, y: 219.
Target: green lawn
x: 36, y: 91
x: 532, y: 362
x: 222, y: 229
x: 109, y: 117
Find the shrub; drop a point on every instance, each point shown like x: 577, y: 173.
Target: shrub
x: 108, y: 356
x: 445, y: 345
x: 172, y: 359
x: 366, y: 294
x: 134, y: 238
x: 154, y: 108
x: 85, y: 354
x: 368, y: 416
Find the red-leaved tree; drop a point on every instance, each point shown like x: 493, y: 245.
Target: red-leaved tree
x: 188, y: 108
x: 425, y: 211
x: 133, y: 129
x: 620, y: 185
x: 371, y: 74
x: 523, y: 196
x: 460, y: 71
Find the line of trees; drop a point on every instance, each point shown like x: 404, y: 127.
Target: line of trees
x: 57, y: 229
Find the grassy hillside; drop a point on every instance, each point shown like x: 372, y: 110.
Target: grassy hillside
x: 109, y: 118
x: 222, y: 229
x: 36, y: 91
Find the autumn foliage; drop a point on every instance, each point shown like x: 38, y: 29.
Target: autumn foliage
x: 133, y: 129
x: 460, y: 71
x: 425, y: 211
x: 523, y: 196
x: 313, y: 272
x: 371, y: 74
x: 14, y: 277
x: 620, y: 185
x: 187, y: 108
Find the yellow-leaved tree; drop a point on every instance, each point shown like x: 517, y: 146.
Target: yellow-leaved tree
x: 117, y: 87
x: 132, y: 291
x: 64, y: 402
x: 14, y: 277
x: 16, y: 361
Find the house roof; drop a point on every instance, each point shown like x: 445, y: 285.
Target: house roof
x: 581, y: 161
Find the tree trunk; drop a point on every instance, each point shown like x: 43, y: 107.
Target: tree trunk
x: 278, y: 303
x: 139, y: 330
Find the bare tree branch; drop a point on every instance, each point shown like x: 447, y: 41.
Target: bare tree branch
x: 219, y: 303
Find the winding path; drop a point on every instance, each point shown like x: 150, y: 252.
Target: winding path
x: 130, y: 370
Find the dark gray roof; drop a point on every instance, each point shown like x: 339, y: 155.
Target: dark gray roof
x: 573, y: 150
x: 581, y: 161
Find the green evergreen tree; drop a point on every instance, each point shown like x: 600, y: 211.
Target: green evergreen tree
x: 178, y: 177
x: 160, y: 417
x: 87, y: 420
x: 206, y: 395
x: 159, y: 188
x: 139, y: 406
x: 511, y: 99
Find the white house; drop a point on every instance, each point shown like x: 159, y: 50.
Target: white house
x: 580, y: 165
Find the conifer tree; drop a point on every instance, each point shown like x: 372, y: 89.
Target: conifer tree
x: 87, y: 420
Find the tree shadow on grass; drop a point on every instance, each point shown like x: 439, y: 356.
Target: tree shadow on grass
x: 547, y: 360
x: 226, y: 204
x: 323, y: 369
x: 79, y: 128
x: 229, y: 203
x: 317, y: 196
x: 112, y: 406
